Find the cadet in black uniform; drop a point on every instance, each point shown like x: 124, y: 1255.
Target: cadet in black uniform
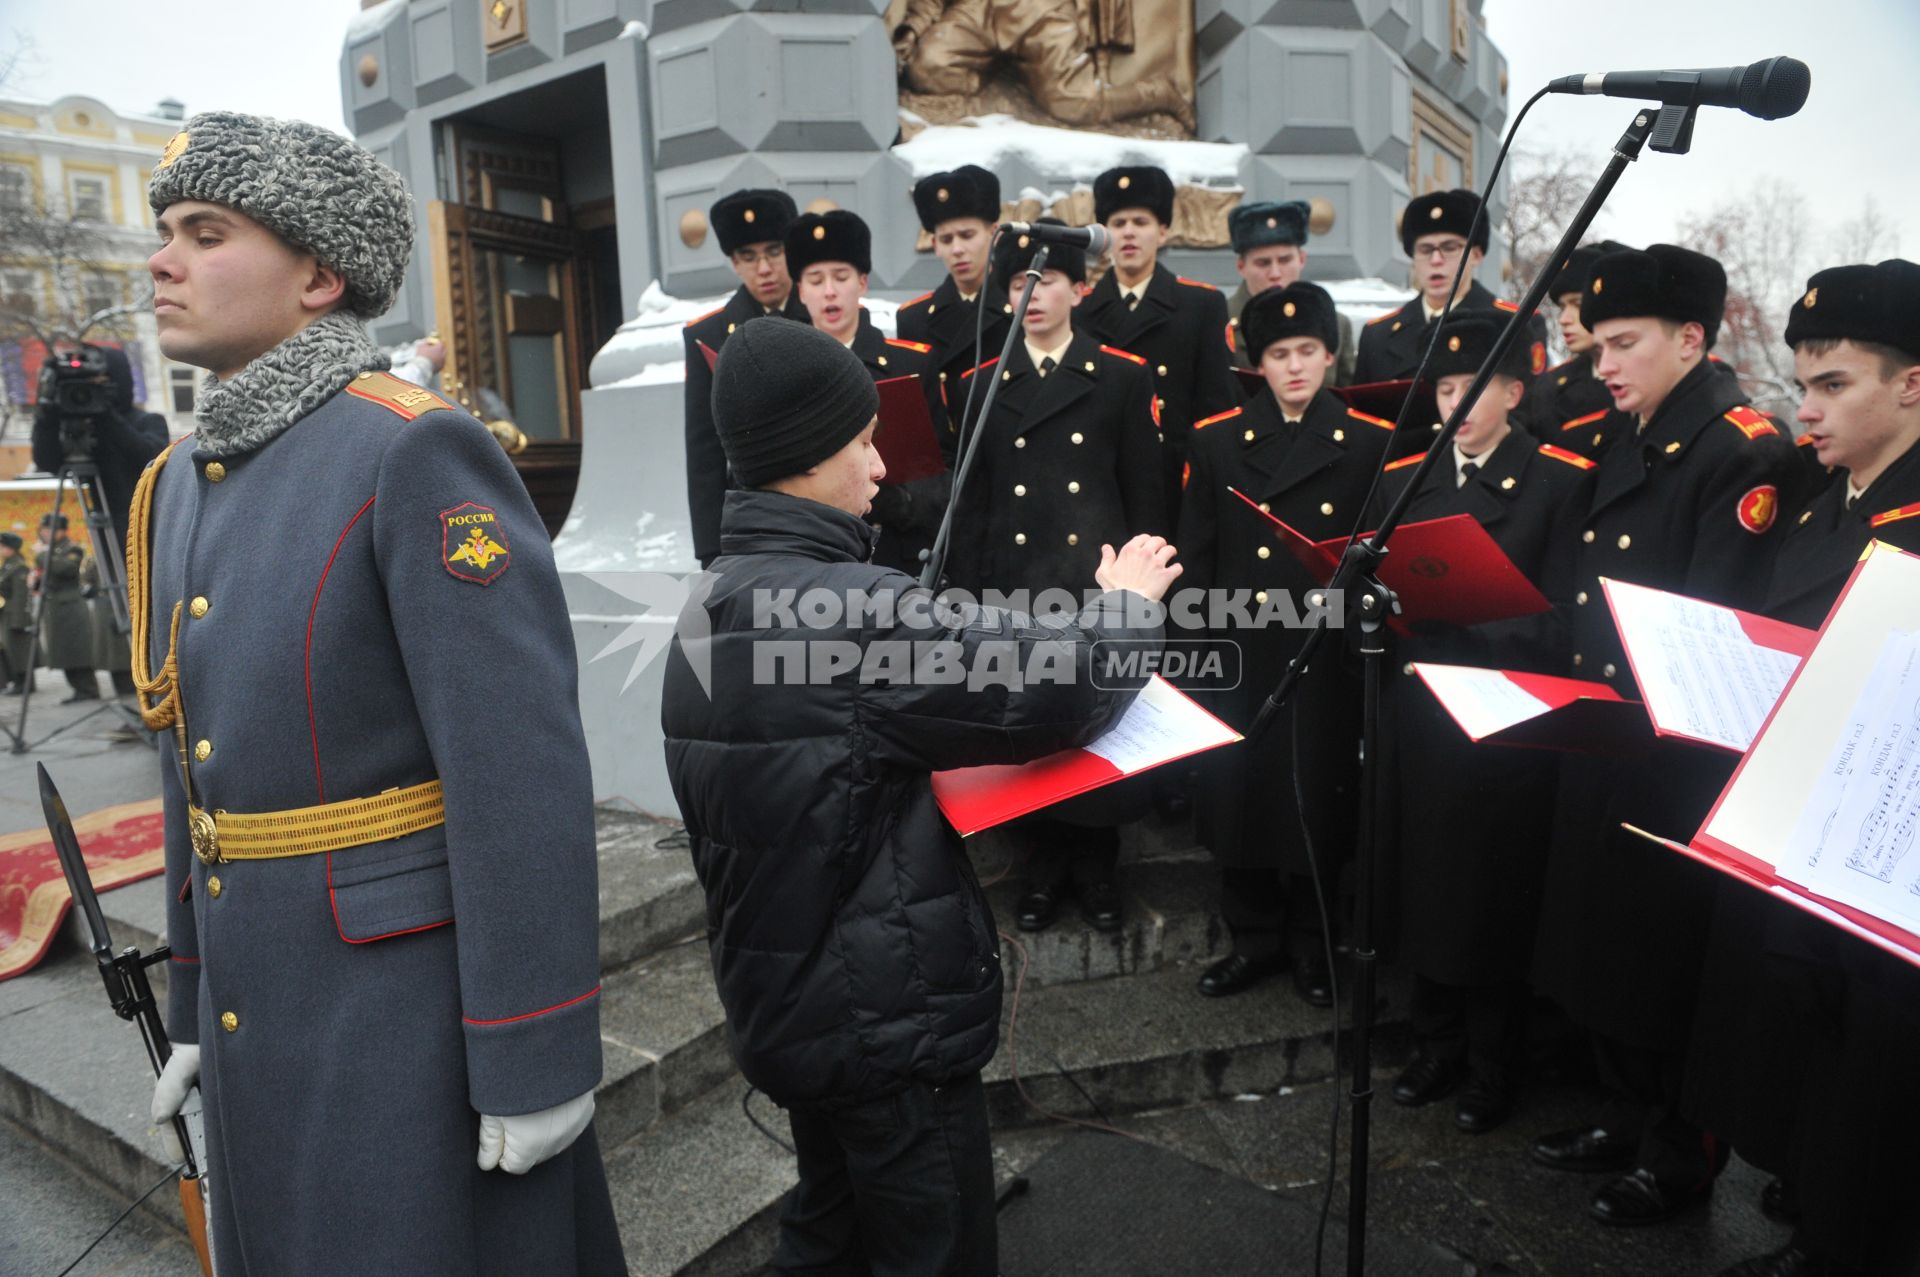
x: 751, y: 226
x: 1308, y: 460
x: 1435, y: 230
x: 1069, y: 460
x: 1473, y: 821
x: 830, y: 256
x: 959, y: 209
x: 1685, y: 499
x: 1568, y: 404
x: 1179, y: 326
x: 1270, y: 251
x: 1807, y: 1040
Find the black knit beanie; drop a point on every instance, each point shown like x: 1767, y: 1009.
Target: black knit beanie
x: 786, y: 397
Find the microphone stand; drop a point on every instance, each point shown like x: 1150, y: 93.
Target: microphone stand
x: 970, y: 440
x: 1671, y: 129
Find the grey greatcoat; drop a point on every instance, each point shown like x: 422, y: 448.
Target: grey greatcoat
x: 358, y: 1009
x: 66, y: 631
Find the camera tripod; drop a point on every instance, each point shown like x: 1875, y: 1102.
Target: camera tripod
x: 83, y: 476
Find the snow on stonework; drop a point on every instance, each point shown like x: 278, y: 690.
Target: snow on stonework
x: 1065, y: 154
x: 648, y: 349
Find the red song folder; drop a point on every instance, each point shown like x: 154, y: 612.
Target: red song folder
x: 1444, y: 570
x: 713, y: 357
x: 1537, y: 711
x: 1163, y: 725
x: 1821, y: 813
x: 906, y: 439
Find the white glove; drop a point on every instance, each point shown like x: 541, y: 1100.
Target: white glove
x: 518, y: 1144
x: 176, y: 1079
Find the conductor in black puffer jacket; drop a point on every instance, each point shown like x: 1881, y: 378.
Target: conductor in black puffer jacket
x: 854, y: 952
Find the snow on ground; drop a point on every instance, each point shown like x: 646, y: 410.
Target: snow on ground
x: 990, y: 140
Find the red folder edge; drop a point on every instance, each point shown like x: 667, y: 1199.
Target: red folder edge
x: 977, y: 798
x: 1763, y: 630
x: 1320, y: 558
x: 1898, y: 941
x: 906, y: 439
x: 712, y: 356
x: 1572, y: 731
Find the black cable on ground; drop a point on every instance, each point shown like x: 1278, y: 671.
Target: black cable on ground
x: 164, y: 1179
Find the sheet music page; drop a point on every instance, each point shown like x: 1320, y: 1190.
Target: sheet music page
x: 1482, y: 701
x: 1699, y: 673
x: 1160, y: 725
x: 1854, y: 841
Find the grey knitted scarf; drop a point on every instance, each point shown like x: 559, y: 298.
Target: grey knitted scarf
x: 253, y: 407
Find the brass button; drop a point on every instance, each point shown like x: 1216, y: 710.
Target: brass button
x: 1008, y: 308
x: 213, y: 887
x: 199, y: 606
x: 1581, y: 598
x: 1019, y: 538
x: 1090, y: 365
x: 1506, y: 484
x: 1576, y: 659
x: 1078, y: 437
x: 1266, y: 507
x: 229, y: 1021
x: 1163, y: 370
x: 1587, y: 536
x: 943, y: 376
x: 1805, y: 515
x: 1019, y: 489
x: 730, y: 328
x: 1607, y: 669
x: 1007, y: 376
x: 1339, y: 436
x: 1597, y: 437
x: 1159, y: 403
x: 203, y: 751
x: 1265, y: 552
x: 365, y: 376
x: 1624, y: 541
x: 1248, y: 436
x: 1073, y: 538
x: 1407, y: 668
x: 1261, y: 597
x: 1022, y: 442
x: 215, y: 472
x: 1326, y: 507
x: 1673, y: 448
x: 882, y: 361
x: 1074, y: 487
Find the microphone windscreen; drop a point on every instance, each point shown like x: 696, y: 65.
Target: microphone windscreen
x: 1775, y: 88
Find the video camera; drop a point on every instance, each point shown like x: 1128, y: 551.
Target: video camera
x: 76, y: 384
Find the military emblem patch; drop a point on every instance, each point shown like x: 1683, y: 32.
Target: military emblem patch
x: 1540, y: 358
x: 473, y: 546
x: 1758, y: 508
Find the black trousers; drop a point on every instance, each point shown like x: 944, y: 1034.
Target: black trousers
x: 1062, y: 853
x: 1643, y: 1103
x: 896, y: 1187
x: 1482, y: 1024
x: 1271, y: 912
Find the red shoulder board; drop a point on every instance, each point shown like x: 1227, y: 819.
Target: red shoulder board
x: 923, y: 297
x: 1125, y: 354
x: 969, y: 372
x: 1804, y: 441
x: 1501, y: 303
x: 1893, y: 516
x: 1571, y: 458
x: 1218, y: 416
x: 1404, y: 462
x: 1589, y: 419
x: 1369, y: 418
x: 395, y: 394
x: 1381, y: 319
x: 920, y: 346
x: 1752, y: 422
x: 701, y: 319
x: 1195, y: 283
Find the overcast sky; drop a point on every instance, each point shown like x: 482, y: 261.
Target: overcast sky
x: 1854, y: 139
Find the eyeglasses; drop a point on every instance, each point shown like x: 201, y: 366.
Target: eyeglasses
x: 752, y: 257
x: 1446, y: 250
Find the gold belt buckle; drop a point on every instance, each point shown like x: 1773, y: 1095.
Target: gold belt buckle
x: 205, y: 835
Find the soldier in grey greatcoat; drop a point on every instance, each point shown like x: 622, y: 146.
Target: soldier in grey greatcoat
x: 16, y: 612
x: 66, y: 626
x: 381, y: 880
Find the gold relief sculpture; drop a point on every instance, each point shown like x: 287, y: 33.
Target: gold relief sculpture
x: 1123, y: 66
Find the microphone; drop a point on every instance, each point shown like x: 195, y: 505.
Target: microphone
x: 1092, y: 238
x: 1771, y: 89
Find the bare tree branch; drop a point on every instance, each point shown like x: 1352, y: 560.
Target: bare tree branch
x: 1762, y: 240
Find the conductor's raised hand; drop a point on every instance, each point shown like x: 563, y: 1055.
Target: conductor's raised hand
x: 1144, y: 565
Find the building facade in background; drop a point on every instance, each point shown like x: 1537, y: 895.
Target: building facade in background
x: 77, y: 159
